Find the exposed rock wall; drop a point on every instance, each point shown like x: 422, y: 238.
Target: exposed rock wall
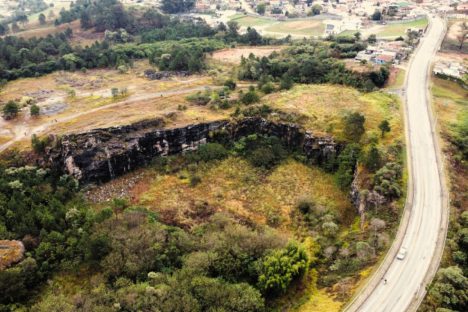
x: 102, y: 154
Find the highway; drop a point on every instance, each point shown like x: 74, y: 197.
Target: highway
x: 423, y: 224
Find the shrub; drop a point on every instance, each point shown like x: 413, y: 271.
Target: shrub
x: 211, y: 151
x: 10, y: 110
x: 34, y: 110
x: 231, y: 84
x: 199, y: 98
x: 278, y: 270
x: 354, y: 126
x: 268, y: 88
x: 250, y: 97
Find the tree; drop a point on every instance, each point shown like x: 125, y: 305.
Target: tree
x: 250, y: 97
x: 85, y: 20
x: 230, y: 84
x: 10, y: 110
x: 34, y: 110
x: 346, y: 164
x: 42, y: 19
x: 3, y: 29
x: 316, y: 9
x: 357, y: 35
x: 372, y: 38
x: 233, y: 27
x: 384, y: 127
x: 115, y: 92
x: 14, y: 27
x: 23, y: 19
x: 286, y: 82
x: 373, y: 159
x: 461, y: 38
x: 177, y: 6
x: 354, y: 126
x: 450, y: 289
x: 376, y: 16
x: 261, y: 8
x: 279, y: 269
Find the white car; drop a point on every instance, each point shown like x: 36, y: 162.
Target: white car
x: 402, y: 253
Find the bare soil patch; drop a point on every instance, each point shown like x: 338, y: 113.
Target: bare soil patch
x: 235, y: 55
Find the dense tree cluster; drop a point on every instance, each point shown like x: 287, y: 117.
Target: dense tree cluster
x: 145, y: 262
x: 310, y: 63
x: 177, y: 6
x: 34, y: 57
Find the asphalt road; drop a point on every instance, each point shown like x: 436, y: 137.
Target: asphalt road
x: 406, y: 278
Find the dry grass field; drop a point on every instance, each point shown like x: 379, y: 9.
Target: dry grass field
x: 320, y: 108
x: 235, y: 55
x: 248, y: 193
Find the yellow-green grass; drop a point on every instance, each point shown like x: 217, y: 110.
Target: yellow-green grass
x: 323, y: 106
x: 251, y: 21
x: 399, y: 29
x: 450, y: 100
x: 399, y: 79
x: 235, y: 186
x: 305, y: 27
x: 320, y: 301
x: 347, y: 32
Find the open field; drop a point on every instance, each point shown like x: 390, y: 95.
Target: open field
x: 320, y: 108
x: 246, y: 192
x: 451, y: 41
x: 251, y: 21
x: 399, y: 29
x: 270, y: 27
x: 305, y: 27
x: 450, y: 100
x: 235, y: 55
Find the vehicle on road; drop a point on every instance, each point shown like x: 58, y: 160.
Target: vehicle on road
x: 402, y: 253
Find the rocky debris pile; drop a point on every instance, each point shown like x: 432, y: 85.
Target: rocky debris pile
x: 162, y: 75
x: 102, y: 154
x: 40, y: 95
x: 11, y: 252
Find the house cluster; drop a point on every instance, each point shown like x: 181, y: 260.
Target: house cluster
x: 213, y: 5
x: 450, y: 69
x: 384, y: 53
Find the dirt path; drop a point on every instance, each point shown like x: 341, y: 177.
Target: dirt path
x: 22, y: 130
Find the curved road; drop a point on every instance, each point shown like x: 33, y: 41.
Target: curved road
x: 422, y: 229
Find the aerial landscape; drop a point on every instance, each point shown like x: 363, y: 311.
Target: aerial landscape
x: 234, y: 155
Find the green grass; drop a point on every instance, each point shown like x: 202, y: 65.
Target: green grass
x: 347, y: 33
x: 399, y: 29
x: 250, y: 21
x: 305, y: 27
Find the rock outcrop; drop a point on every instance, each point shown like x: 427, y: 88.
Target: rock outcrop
x: 11, y: 252
x: 102, y: 154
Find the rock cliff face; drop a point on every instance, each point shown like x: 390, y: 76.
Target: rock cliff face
x: 102, y: 154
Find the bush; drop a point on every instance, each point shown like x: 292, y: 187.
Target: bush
x: 278, y: 270
x: 268, y: 88
x: 261, y: 151
x: 199, y: 98
x: 10, y: 110
x: 210, y: 152
x: 250, y: 97
x: 38, y: 144
x: 34, y: 110
x: 346, y: 164
x: 231, y: 84
x: 354, y: 126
